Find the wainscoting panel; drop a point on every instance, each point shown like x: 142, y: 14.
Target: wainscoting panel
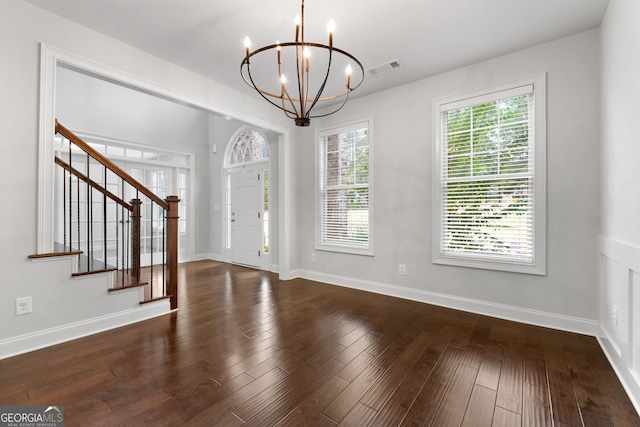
x: 619, y: 311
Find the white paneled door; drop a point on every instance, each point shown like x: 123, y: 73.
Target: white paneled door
x: 245, y: 215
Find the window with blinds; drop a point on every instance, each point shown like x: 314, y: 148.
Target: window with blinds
x: 489, y: 181
x: 345, y: 202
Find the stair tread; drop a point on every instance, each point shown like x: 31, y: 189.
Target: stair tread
x: 53, y: 254
x: 123, y: 280
x: 88, y: 265
x: 58, y: 250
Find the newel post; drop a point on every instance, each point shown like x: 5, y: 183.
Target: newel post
x: 172, y: 250
x: 135, y: 238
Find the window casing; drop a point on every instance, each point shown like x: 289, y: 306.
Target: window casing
x: 489, y: 178
x: 344, y: 219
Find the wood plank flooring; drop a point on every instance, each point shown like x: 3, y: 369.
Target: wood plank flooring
x: 245, y: 348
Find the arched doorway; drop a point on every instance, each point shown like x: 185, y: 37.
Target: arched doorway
x: 247, y: 221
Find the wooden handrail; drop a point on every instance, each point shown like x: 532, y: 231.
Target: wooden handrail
x: 109, y: 165
x: 169, y: 205
x: 93, y: 184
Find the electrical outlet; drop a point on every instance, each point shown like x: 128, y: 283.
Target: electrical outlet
x: 402, y: 269
x: 23, y: 306
x: 313, y: 257
x: 615, y: 315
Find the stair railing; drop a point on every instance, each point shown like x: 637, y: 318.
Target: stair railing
x: 92, y: 216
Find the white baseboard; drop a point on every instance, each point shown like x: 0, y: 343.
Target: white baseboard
x: 517, y: 314
x: 275, y: 268
x: 48, y: 337
x: 629, y: 382
x: 209, y: 255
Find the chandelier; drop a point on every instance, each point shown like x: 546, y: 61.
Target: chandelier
x: 295, y: 61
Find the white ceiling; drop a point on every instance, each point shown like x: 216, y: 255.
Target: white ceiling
x: 427, y: 37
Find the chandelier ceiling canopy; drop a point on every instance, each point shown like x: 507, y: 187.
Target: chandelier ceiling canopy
x: 304, y: 76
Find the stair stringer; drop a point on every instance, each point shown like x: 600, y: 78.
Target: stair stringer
x: 72, y: 307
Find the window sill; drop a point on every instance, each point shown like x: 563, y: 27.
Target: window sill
x: 485, y: 264
x: 345, y: 249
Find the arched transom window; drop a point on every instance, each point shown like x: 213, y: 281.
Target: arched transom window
x: 249, y: 146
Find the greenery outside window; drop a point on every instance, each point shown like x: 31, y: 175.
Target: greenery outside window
x: 489, y: 180
x: 345, y: 189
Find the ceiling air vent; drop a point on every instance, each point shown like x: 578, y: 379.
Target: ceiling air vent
x: 385, y: 68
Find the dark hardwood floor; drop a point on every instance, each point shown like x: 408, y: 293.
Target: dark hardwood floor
x: 245, y: 348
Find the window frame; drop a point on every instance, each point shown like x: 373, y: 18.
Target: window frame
x: 233, y: 142
x: 320, y: 245
x: 475, y: 97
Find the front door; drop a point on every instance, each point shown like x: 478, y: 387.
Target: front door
x: 245, y: 215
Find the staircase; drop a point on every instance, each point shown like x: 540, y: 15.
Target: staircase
x: 136, y: 240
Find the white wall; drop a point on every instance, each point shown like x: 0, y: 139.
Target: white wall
x: 566, y: 297
x: 63, y: 308
x: 619, y: 256
x: 220, y: 132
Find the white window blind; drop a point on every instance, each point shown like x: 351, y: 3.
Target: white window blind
x: 487, y: 195
x: 344, y: 179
